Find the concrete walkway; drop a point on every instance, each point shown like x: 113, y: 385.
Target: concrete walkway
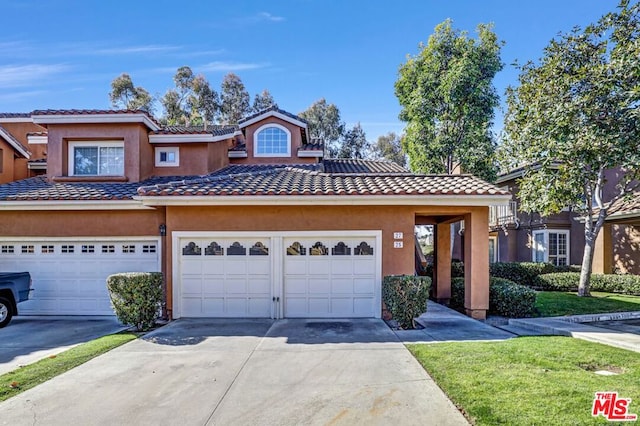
x: 582, y: 327
x: 244, y: 372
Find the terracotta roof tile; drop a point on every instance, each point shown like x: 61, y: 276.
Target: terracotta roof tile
x: 352, y: 166
x: 626, y: 206
x: 314, y: 145
x: 308, y: 180
x: 15, y: 114
x: 37, y: 134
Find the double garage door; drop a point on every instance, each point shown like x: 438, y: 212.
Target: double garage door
x: 69, y: 277
x: 334, y: 275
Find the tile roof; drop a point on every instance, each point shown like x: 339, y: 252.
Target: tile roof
x: 15, y: 115
x: 275, y: 109
x: 314, y: 145
x: 40, y: 189
x: 216, y: 130
x: 624, y: 207
x: 308, y: 180
x: 260, y: 179
x: 94, y: 112
x: 4, y: 133
x: 37, y: 134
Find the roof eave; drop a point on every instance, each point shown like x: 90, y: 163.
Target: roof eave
x: 11, y: 141
x: 73, y: 205
x: 117, y: 118
x: 273, y: 114
x: 417, y: 200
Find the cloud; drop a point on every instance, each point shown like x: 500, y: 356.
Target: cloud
x: 266, y: 16
x: 129, y: 50
x: 20, y: 96
x: 28, y: 74
x: 217, y: 66
x: 259, y: 17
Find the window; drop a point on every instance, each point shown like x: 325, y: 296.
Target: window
x: 272, y: 140
x: 104, y: 158
x: 551, y: 246
x: 493, y: 249
x: 1, y: 158
x: 167, y: 157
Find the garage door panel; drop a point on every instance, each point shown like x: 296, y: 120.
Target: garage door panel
x: 260, y: 307
x: 258, y: 266
x: 192, y: 304
x: 235, y: 286
x: 296, y: 285
x: 364, y: 266
x: 342, y: 305
x: 318, y: 286
x: 319, y: 306
x: 191, y: 285
x: 364, y: 286
x: 213, y: 287
x: 212, y: 266
x: 342, y: 285
x: 319, y: 266
x: 341, y: 266
x: 295, y: 306
x: 236, y: 307
x: 295, y: 266
x: 236, y: 267
x: 363, y: 307
x: 260, y: 286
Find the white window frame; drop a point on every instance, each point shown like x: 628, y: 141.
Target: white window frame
x: 168, y: 150
x: 545, y: 244
x: 495, y: 249
x: 97, y: 144
x: 266, y: 126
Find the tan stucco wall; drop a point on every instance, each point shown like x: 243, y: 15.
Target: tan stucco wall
x: 296, y: 142
x: 132, y: 134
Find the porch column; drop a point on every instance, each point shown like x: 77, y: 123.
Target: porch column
x: 603, y: 251
x: 476, y: 263
x: 442, y: 267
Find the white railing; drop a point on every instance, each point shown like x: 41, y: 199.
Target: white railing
x: 503, y: 215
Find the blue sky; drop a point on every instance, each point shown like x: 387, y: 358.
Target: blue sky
x: 64, y: 54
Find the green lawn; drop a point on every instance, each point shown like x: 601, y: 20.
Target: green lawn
x: 530, y: 380
x: 26, y: 377
x: 557, y: 303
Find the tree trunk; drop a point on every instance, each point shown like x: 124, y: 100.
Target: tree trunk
x: 585, y: 271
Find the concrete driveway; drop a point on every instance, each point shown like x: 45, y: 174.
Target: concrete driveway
x: 29, y: 339
x: 244, y: 372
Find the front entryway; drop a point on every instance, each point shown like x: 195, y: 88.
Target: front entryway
x: 276, y: 275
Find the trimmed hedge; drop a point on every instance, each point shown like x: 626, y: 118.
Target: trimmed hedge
x: 457, y: 269
x: 136, y: 297
x: 506, y: 298
x: 523, y: 273
x: 405, y: 296
x: 609, y: 283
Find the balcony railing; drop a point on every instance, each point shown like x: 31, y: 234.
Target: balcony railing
x: 503, y: 215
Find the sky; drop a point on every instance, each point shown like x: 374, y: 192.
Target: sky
x: 64, y: 54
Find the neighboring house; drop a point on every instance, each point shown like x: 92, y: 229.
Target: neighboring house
x: 517, y: 236
x: 244, y: 221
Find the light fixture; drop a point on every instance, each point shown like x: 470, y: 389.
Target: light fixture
x: 163, y: 229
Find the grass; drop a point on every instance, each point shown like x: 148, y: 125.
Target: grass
x: 530, y: 380
x: 556, y: 303
x: 21, y: 379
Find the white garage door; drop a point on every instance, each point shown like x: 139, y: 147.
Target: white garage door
x: 222, y: 277
x: 69, y: 277
x: 330, y: 278
x: 336, y: 274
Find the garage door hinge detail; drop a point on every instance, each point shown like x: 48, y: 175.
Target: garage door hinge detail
x: 276, y: 299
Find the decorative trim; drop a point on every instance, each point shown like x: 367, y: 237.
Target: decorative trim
x: 310, y: 153
x: 37, y: 166
x: 37, y: 139
x: 16, y: 120
x: 238, y: 154
x: 273, y: 114
x: 12, y: 141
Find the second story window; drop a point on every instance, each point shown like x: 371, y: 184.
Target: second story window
x: 272, y: 140
x: 100, y: 158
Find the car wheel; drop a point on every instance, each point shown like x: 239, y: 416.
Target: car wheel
x: 5, y: 312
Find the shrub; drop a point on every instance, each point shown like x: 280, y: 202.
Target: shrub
x: 506, y: 298
x: 609, y: 283
x: 457, y: 269
x: 136, y: 297
x: 405, y: 296
x: 523, y: 273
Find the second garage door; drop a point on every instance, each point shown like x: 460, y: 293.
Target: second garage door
x: 302, y: 275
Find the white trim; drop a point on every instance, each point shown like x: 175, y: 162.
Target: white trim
x: 619, y: 215
x: 73, y: 205
x: 16, y: 120
x: 10, y: 140
x: 37, y: 139
x: 91, y: 144
x: 37, y: 166
x: 495, y: 249
x: 237, y: 154
x: 188, y: 138
x: 107, y: 118
x: 278, y: 259
x: 273, y: 114
x: 266, y: 200
x: 172, y: 149
x: 310, y: 153
x: 545, y: 249
x: 265, y: 127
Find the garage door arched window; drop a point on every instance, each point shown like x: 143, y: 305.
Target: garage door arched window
x: 272, y: 140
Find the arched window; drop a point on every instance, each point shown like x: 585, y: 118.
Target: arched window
x: 272, y: 140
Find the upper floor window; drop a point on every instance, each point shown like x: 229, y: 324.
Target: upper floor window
x: 167, y: 157
x: 98, y: 158
x: 272, y: 140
